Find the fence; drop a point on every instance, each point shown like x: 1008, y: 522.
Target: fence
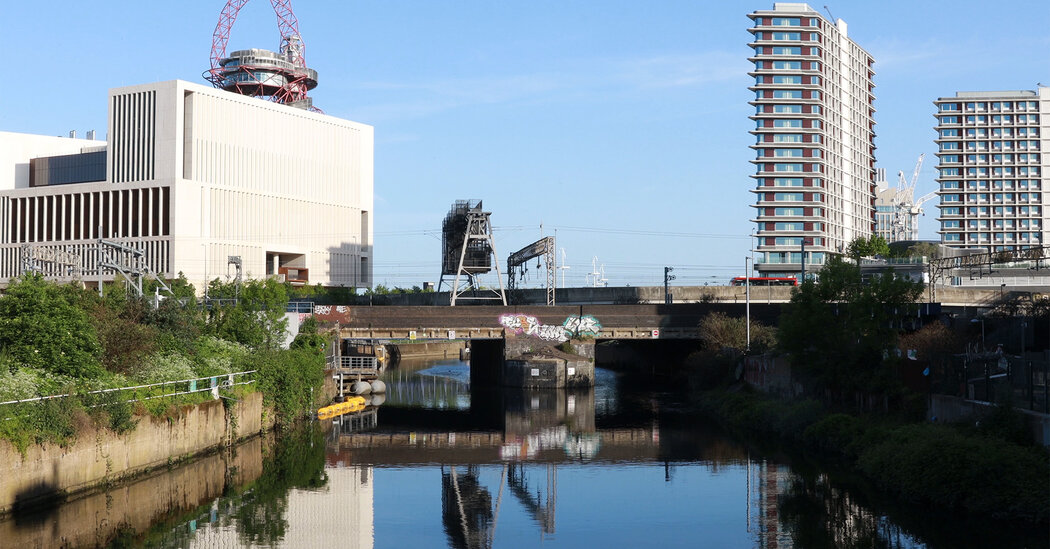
x: 180, y: 387
x: 998, y: 379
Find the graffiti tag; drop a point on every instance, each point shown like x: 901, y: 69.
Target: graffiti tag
x: 582, y: 325
x: 528, y: 325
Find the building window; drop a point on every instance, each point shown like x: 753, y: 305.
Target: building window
x: 948, y: 107
x: 787, y: 138
x: 788, y: 197
x: 787, y: 167
x: 787, y: 182
x: 787, y: 79
x: 787, y: 50
x: 786, y: 36
x: 787, y: 94
x: 786, y: 22
x: 787, y: 153
x: 787, y: 65
x: 787, y: 123
x: 789, y: 109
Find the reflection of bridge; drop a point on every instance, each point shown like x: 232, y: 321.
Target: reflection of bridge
x: 474, y: 448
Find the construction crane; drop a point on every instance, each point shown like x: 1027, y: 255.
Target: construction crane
x: 906, y: 209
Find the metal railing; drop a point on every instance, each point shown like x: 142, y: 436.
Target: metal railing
x: 179, y: 387
x: 355, y: 364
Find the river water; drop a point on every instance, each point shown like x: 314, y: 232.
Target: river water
x: 436, y: 465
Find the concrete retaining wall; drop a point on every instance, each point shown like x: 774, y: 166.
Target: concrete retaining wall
x: 430, y: 349
x: 100, y: 456
x: 949, y: 409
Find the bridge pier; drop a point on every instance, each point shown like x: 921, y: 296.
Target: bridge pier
x: 531, y: 363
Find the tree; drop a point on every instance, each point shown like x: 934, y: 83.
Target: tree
x: 41, y: 327
x: 837, y: 330
x: 928, y: 250
x: 719, y: 331
x: 256, y: 318
x: 868, y: 247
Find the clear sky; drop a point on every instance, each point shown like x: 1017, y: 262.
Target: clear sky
x: 622, y: 125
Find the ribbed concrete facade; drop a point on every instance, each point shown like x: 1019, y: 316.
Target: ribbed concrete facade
x: 195, y: 175
x: 814, y: 138
x: 992, y: 174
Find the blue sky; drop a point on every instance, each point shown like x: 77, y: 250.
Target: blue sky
x: 622, y: 125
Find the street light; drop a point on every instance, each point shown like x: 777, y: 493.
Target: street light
x: 747, y: 301
x: 981, y: 320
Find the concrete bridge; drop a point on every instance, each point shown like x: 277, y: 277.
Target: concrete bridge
x: 674, y: 321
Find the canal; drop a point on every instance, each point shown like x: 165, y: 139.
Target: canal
x: 435, y: 465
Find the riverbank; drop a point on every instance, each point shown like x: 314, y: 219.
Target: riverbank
x: 46, y: 472
x: 989, y: 470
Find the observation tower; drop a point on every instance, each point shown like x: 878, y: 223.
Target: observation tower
x: 281, y: 77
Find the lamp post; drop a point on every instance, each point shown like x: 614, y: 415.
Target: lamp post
x: 981, y: 320
x: 747, y: 300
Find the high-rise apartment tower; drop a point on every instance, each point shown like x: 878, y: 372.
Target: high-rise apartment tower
x: 814, y: 138
x: 992, y: 174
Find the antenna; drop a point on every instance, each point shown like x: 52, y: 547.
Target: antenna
x: 563, y: 267
x: 829, y: 13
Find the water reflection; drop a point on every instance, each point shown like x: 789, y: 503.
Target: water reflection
x: 439, y: 465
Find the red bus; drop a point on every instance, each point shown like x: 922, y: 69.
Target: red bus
x: 765, y: 281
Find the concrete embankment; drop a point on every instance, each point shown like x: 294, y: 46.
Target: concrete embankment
x: 95, y: 517
x: 99, y: 456
x: 429, y: 349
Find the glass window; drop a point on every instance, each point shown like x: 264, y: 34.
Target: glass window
x: 787, y: 94
x: 950, y: 133
x: 787, y: 123
x: 945, y: 107
x: 787, y: 182
x: 949, y: 120
x: 786, y: 22
x: 787, y: 79
x: 787, y: 65
x: 794, y: 153
x: 788, y: 226
x: 787, y: 167
x: 787, y: 50
x: 787, y: 138
x: 786, y: 36
x: 788, y: 197
x: 790, y: 109
x: 788, y: 241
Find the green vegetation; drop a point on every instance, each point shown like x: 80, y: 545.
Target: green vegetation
x: 842, y: 334
x: 872, y: 246
x: 986, y: 472
x: 67, y: 340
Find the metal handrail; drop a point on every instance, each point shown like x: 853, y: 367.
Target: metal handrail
x: 229, y: 377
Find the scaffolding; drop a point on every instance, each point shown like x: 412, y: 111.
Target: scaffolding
x: 467, y: 252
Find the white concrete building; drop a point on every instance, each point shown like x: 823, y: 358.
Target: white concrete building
x: 191, y: 176
x: 814, y: 138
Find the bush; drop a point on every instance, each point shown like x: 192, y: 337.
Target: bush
x: 162, y: 367
x: 217, y: 356
x: 288, y: 380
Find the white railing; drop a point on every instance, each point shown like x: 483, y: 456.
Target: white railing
x: 213, y: 383
x: 364, y: 364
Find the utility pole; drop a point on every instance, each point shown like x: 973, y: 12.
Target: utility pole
x: 747, y: 301
x: 668, y: 277
x: 803, y: 261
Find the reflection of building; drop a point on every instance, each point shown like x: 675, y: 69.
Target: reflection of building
x: 191, y: 175
x: 768, y: 481
x: 814, y: 150
x: 339, y: 515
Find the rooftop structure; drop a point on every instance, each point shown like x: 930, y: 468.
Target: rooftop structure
x: 814, y: 138
x: 282, y: 77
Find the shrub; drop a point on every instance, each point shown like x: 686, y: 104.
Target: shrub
x: 162, y: 367
x: 288, y: 380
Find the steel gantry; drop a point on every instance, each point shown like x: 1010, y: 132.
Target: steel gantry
x: 516, y: 264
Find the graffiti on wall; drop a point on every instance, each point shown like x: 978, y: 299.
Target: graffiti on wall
x: 585, y: 325
x: 332, y: 313
x: 530, y: 326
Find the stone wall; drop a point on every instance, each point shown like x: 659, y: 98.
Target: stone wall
x: 101, y: 456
